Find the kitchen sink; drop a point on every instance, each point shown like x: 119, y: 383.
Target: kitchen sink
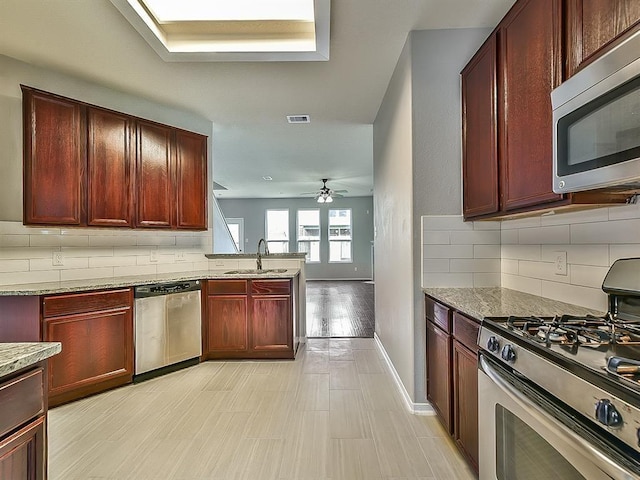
x: 253, y: 271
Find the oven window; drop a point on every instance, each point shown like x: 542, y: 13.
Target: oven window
x: 522, y: 454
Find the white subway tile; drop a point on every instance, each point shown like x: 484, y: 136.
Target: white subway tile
x: 576, y: 295
x: 578, y: 254
x: 579, y: 216
x: 544, y: 235
x: 616, y: 231
x: 521, y: 252
x: 485, y: 265
x: 588, y: 276
x: 14, y: 228
x: 111, y: 261
x: 450, y: 280
x: 445, y: 222
x: 113, y: 241
x: 517, y: 223
x: 542, y: 270
x: 86, y: 273
x: 47, y: 263
x: 522, y: 284
x: 509, y: 266
x: 11, y: 240
x: 436, y: 265
x: 156, y: 240
x: 621, y: 212
x: 87, y: 252
x: 487, y: 225
x: 175, y: 267
x: 623, y: 251
x: 448, y: 251
x: 26, y: 253
x: 486, y: 251
x: 14, y: 266
x: 187, y: 241
x: 436, y: 238
x: 224, y: 263
x: 128, y: 251
x: 509, y: 237
x: 29, y: 277
x: 486, y: 280
x: 476, y: 237
x: 58, y: 241
x: 128, y: 271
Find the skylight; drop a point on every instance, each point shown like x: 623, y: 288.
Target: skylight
x: 232, y: 30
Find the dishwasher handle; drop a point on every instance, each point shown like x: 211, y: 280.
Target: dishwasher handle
x: 158, y: 289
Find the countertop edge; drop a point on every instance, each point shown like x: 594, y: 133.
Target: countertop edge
x: 16, y: 356
x: 503, y: 302
x: 254, y: 255
x: 52, y: 288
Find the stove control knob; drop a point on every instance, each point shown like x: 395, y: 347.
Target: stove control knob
x: 607, y: 414
x: 508, y: 353
x: 493, y: 344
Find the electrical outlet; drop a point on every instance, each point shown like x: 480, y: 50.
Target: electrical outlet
x: 181, y: 257
x: 355, y: 269
x: 561, y: 263
x: 153, y: 256
x: 58, y: 259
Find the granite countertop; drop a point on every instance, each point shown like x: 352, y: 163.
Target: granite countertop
x: 254, y: 255
x: 502, y: 302
x: 50, y: 288
x: 14, y: 356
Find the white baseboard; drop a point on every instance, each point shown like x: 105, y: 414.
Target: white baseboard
x: 413, y: 407
x: 338, y: 279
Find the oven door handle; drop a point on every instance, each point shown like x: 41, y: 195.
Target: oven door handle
x: 607, y: 465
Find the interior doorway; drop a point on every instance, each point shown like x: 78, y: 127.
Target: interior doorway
x: 340, y: 308
x: 236, y: 227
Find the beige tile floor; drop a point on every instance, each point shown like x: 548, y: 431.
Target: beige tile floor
x: 333, y: 413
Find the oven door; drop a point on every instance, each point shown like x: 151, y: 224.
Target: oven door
x: 526, y: 442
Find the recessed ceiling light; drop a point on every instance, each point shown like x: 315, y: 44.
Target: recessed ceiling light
x: 232, y: 30
x: 267, y: 178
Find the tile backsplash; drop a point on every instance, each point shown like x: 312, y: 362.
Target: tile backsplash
x: 592, y: 240
x: 27, y: 253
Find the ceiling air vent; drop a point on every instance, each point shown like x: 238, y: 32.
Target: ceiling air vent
x: 298, y: 119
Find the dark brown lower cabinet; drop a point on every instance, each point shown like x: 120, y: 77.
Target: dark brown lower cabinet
x: 96, y: 332
x: 249, y: 319
x: 452, y: 374
x: 439, y: 373
x: 22, y: 454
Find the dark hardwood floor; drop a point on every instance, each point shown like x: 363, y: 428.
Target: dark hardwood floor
x: 340, y: 309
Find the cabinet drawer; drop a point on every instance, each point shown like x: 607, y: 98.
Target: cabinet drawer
x: 439, y: 314
x: 85, y: 302
x: 226, y: 287
x: 270, y: 287
x: 22, y: 399
x: 465, y: 330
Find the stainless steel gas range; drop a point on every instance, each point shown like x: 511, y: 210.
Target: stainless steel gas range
x: 559, y: 398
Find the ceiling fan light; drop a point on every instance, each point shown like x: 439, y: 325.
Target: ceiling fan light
x: 329, y: 199
x: 320, y: 199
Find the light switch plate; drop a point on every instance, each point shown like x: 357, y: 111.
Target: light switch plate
x: 58, y: 259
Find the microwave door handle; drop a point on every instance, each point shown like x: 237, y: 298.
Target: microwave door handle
x: 605, y: 463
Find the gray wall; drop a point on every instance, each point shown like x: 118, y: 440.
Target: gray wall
x: 417, y: 171
x: 13, y: 73
x: 253, y: 212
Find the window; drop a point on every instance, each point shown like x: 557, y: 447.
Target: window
x: 236, y: 228
x: 277, y: 228
x: 309, y: 234
x: 340, y: 235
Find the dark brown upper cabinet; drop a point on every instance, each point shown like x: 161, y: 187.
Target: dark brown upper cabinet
x: 480, y: 133
x: 507, y: 113
x: 593, y: 27
x: 89, y: 166
x: 154, y: 176
x: 110, y: 167
x: 54, y: 160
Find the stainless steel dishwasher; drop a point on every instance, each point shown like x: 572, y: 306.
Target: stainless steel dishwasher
x: 168, y: 333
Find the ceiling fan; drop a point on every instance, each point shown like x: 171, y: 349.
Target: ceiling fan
x: 325, y: 194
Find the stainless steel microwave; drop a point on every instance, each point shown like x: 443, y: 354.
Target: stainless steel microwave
x: 596, y: 120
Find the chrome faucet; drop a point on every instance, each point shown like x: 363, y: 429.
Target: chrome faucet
x: 259, y: 255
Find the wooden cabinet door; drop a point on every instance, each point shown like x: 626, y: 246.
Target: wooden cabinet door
x: 23, y: 454
x: 154, y: 176
x: 479, y: 133
x: 191, y: 181
x: 439, y: 373
x: 595, y: 26
x: 530, y: 69
x: 227, y: 323
x: 97, y: 347
x: 271, y: 324
x: 465, y: 401
x: 110, y: 169
x: 54, y: 159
